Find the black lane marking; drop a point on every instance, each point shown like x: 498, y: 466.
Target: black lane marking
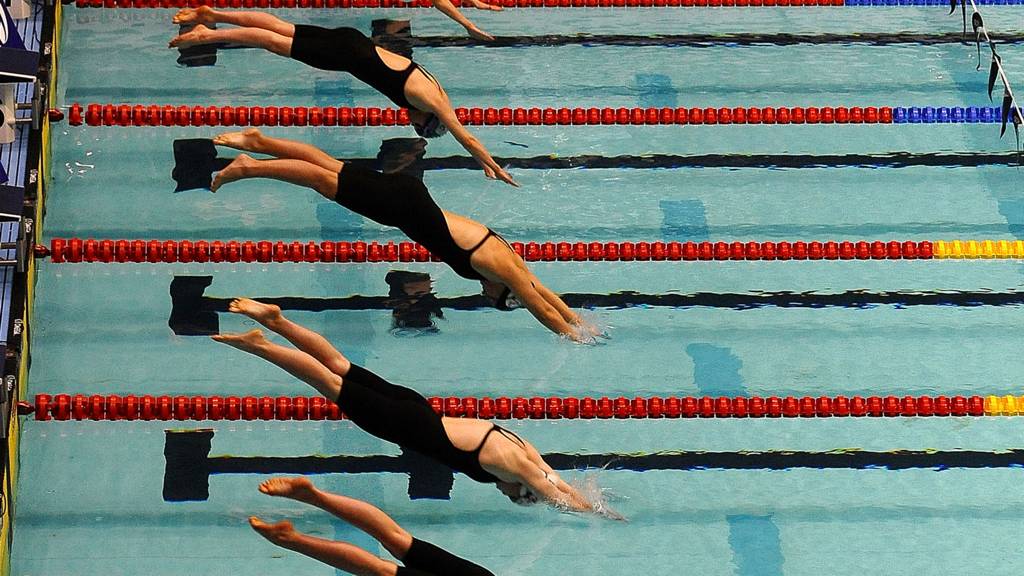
x: 699, y: 40
x: 195, y: 160
x: 894, y: 160
x: 195, y: 314
x: 189, y: 464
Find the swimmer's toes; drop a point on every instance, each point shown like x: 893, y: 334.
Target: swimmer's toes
x: 245, y: 341
x: 243, y: 140
x: 277, y: 533
x: 195, y: 36
x: 239, y: 168
x: 186, y: 15
x: 298, y: 488
x: 262, y: 313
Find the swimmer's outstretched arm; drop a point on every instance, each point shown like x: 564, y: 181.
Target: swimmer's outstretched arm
x: 532, y: 299
x: 559, y: 493
x: 556, y: 301
x: 449, y: 10
x: 436, y: 102
x: 583, y: 330
x: 549, y: 309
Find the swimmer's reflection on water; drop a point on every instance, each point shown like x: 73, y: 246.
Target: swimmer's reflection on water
x: 413, y: 303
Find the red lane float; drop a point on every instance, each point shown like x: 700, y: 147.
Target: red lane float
x: 320, y: 4
x: 151, y: 115
x: 131, y: 407
x: 77, y: 250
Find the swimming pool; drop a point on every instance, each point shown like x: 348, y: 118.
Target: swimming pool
x: 95, y: 496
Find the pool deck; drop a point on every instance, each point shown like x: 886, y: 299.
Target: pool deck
x: 18, y: 172
x: 17, y: 169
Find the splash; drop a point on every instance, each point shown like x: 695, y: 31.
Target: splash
x: 586, y: 483
x: 594, y: 328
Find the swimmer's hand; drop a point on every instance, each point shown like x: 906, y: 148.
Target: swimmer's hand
x: 495, y: 172
x: 478, y: 34
x: 485, y: 6
x: 611, y: 515
x: 586, y: 333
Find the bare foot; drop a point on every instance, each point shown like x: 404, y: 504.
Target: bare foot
x: 298, y: 488
x: 263, y: 313
x: 201, y: 15
x: 247, y: 139
x: 486, y: 5
x: 233, y: 171
x: 194, y: 37
x: 248, y: 342
x: 280, y: 533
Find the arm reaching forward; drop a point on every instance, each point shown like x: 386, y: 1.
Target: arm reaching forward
x: 557, y: 492
x: 449, y: 10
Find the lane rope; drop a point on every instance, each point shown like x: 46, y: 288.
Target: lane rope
x: 123, y: 115
x: 90, y: 250
x: 320, y: 4
x: 62, y: 407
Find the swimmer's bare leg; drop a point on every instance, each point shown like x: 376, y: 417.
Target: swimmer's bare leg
x: 297, y: 172
x: 295, y: 362
x: 341, y: 555
x: 207, y: 16
x: 252, y: 140
x: 306, y: 340
x: 253, y: 37
x: 362, y: 515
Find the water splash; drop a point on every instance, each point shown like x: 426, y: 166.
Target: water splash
x: 586, y: 483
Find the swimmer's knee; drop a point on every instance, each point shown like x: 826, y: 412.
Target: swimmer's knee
x: 339, y: 365
x: 385, y: 568
x: 397, y: 541
x: 326, y: 183
x: 281, y: 45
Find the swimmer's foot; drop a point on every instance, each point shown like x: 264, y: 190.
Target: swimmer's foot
x: 265, y: 314
x: 236, y: 170
x: 248, y: 342
x: 194, y: 37
x: 297, y: 488
x: 202, y: 15
x: 280, y: 533
x: 248, y: 139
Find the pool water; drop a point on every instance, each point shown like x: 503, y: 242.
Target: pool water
x: 94, y: 496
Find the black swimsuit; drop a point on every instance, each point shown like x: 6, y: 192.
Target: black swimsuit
x: 349, y: 50
x: 403, y: 201
x: 400, y: 415
x: 425, y: 559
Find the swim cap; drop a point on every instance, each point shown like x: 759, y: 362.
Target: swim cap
x: 507, y: 301
x: 432, y: 128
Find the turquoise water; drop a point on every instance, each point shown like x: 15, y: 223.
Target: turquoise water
x: 92, y: 501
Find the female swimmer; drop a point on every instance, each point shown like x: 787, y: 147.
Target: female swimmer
x: 479, y: 449
x: 471, y: 249
x: 403, y: 81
